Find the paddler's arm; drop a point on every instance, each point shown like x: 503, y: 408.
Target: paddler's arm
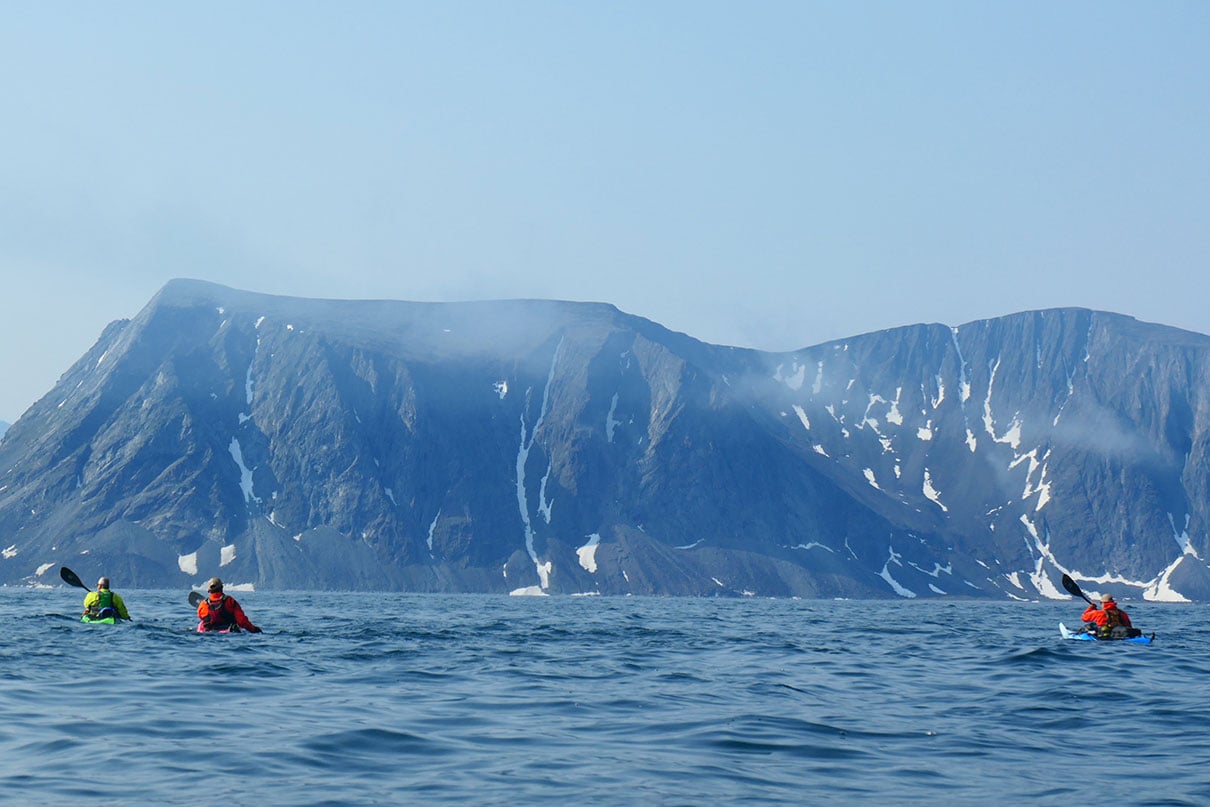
x: 242, y: 620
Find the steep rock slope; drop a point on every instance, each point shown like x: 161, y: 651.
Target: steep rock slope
x: 540, y: 446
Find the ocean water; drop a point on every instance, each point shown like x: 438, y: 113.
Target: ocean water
x: 410, y: 699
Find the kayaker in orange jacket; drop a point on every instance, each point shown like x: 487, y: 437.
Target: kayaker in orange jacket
x: 219, y: 611
x: 1107, y: 616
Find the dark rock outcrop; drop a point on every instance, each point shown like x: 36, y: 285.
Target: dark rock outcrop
x: 560, y: 447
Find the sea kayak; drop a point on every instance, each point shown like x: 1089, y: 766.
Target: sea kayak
x: 201, y: 628
x: 107, y: 617
x: 1089, y: 637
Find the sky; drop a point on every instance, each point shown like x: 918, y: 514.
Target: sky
x: 771, y: 175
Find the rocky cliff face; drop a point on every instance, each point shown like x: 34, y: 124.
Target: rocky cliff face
x: 538, y: 446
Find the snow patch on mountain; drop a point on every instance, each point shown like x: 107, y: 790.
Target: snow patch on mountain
x: 187, y: 563
x: 885, y: 574
x: 587, y: 554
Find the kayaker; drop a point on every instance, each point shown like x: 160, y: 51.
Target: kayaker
x: 1107, y: 617
x: 103, y: 602
x: 218, y: 611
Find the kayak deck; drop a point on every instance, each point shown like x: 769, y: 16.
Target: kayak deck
x: 1082, y: 636
x: 107, y: 616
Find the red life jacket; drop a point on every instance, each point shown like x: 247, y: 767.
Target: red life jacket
x: 218, y: 614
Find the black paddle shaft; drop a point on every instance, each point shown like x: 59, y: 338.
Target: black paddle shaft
x: 1073, y: 588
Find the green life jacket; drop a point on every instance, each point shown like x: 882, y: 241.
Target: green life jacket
x: 104, y: 600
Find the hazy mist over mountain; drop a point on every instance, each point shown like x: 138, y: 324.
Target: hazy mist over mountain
x: 547, y: 447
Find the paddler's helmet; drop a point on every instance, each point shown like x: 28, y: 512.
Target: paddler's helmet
x: 103, y: 582
x: 215, y: 584
x: 1107, y: 598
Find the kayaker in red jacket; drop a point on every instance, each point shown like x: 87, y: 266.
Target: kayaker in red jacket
x: 1107, y: 616
x: 219, y: 611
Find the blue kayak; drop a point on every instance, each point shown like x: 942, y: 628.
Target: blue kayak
x: 1089, y: 637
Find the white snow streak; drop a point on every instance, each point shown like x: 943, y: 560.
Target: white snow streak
x: 245, y: 475
x: 527, y: 443
x: 433, y: 526
x: 588, y: 553
x: 528, y: 591
x: 1040, y: 580
x: 814, y: 545
x: 894, y: 415
x: 226, y: 555
x: 610, y: 422
x: 543, y: 504
x: 187, y: 563
x: 885, y: 574
x: 1182, y: 538
x: 802, y: 417
x: 795, y: 380
x: 964, y: 387
x: 1161, y: 590
x: 931, y: 492
x: 1013, y: 436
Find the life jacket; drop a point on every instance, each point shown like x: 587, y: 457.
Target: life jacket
x: 104, y: 602
x: 1113, y: 618
x: 218, y: 615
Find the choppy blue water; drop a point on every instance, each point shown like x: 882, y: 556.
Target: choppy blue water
x: 392, y: 699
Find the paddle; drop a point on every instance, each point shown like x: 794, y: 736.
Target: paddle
x: 71, y: 578
x: 1073, y: 588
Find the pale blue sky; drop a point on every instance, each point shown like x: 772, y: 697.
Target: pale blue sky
x: 770, y: 174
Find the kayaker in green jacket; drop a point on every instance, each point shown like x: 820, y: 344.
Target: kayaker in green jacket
x: 103, y: 602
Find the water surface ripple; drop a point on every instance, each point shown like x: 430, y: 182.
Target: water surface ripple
x: 387, y: 699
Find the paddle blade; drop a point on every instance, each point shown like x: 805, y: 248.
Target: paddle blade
x: 1074, y: 589
x: 71, y: 578
x: 195, y: 599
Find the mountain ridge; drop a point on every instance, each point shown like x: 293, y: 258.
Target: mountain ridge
x: 557, y: 447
